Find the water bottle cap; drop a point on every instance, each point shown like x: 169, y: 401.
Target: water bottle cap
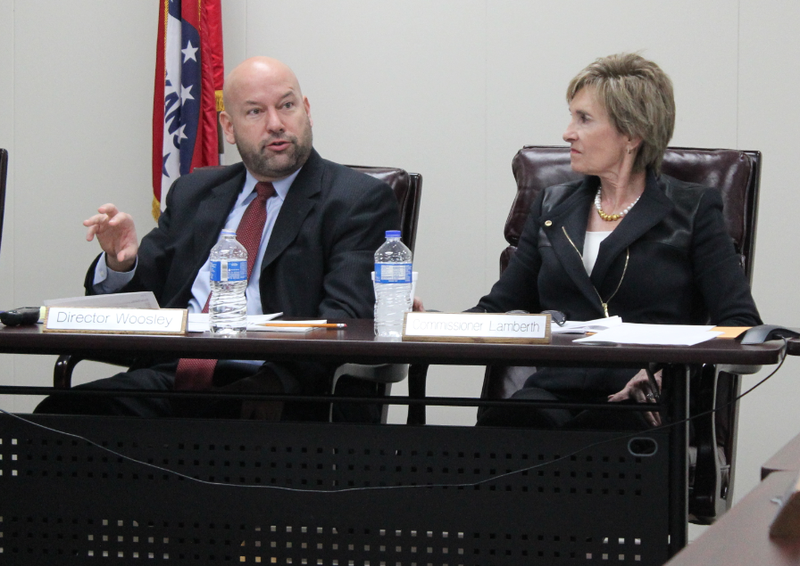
x: 392, y: 233
x: 228, y: 233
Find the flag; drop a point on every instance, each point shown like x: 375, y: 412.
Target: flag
x: 188, y: 92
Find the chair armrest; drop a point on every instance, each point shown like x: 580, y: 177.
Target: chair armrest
x: 62, y: 372
x: 711, y: 492
x: 738, y: 369
x: 383, y: 375
x: 417, y: 380
x: 65, y: 364
x: 379, y: 373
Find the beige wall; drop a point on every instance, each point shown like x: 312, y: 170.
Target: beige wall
x: 448, y: 88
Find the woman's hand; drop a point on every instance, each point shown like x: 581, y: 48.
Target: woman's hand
x: 640, y: 389
x: 417, y: 306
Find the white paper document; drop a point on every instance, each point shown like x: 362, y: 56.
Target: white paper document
x: 581, y: 327
x: 139, y: 300
x: 652, y: 334
x: 284, y: 325
x: 198, y: 322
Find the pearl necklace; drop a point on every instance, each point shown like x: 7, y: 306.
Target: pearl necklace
x: 611, y: 217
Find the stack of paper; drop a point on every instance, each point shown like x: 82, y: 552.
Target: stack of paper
x: 582, y: 327
x: 139, y: 300
x: 198, y: 322
x: 652, y: 334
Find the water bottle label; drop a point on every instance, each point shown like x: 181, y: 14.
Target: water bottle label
x: 393, y: 273
x: 229, y: 270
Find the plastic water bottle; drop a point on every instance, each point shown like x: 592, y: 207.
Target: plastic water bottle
x: 227, y: 308
x: 392, y: 285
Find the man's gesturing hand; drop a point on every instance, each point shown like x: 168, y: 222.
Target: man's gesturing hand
x: 116, y: 234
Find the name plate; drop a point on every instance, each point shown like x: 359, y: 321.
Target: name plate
x: 477, y: 327
x: 115, y: 321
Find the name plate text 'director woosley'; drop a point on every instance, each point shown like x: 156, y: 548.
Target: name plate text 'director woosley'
x: 115, y: 321
x: 477, y: 327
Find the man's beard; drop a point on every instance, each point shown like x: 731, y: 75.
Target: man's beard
x: 281, y: 165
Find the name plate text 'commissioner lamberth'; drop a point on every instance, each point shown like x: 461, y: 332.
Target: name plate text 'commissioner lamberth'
x: 477, y: 327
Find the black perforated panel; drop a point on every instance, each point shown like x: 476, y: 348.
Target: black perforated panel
x: 325, y: 494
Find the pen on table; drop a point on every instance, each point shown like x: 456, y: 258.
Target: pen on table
x: 304, y: 325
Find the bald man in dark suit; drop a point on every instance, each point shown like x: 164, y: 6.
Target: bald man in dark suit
x: 323, y: 226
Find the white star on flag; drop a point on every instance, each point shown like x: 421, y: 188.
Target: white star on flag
x: 186, y: 93
x: 189, y: 52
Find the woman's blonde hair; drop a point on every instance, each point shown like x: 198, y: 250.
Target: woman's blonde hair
x: 638, y: 97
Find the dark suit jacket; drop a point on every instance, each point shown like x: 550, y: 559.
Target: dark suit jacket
x: 319, y: 257
x: 669, y: 261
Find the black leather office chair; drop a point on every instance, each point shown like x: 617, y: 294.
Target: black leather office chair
x: 407, y: 189
x: 3, y: 179
x: 737, y: 175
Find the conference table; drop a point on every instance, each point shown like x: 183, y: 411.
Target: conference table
x: 202, y: 491
x: 742, y: 535
x: 787, y: 459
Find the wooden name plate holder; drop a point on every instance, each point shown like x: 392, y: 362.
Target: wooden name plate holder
x: 477, y: 327
x: 115, y: 320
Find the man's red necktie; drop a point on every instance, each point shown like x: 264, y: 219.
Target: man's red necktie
x: 197, y: 374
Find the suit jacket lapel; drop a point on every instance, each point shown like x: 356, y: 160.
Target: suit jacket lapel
x: 212, y: 214
x: 300, y: 200
x: 569, y: 220
x: 651, y: 209
x: 210, y: 218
